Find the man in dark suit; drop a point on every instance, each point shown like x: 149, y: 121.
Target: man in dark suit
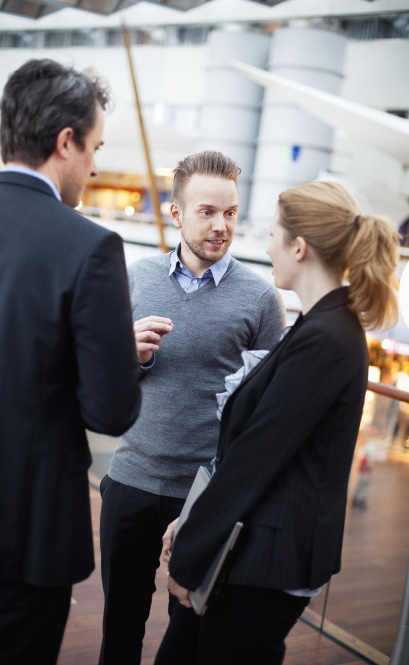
x: 67, y: 351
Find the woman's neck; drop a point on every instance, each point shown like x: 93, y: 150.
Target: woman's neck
x: 316, y: 285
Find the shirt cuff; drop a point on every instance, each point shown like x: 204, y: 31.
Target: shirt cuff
x: 149, y: 364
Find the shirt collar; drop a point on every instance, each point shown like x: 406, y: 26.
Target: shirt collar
x: 36, y: 174
x: 217, y: 269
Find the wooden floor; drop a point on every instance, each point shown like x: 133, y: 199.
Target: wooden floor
x: 364, y: 599
x: 305, y: 646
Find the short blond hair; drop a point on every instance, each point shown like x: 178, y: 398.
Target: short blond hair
x: 207, y: 162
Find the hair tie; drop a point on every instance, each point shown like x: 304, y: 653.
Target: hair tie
x: 356, y: 221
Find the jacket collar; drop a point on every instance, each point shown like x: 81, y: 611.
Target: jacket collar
x: 336, y: 298
x: 24, y: 180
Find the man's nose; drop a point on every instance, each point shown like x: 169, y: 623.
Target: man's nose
x: 94, y: 170
x: 219, y: 223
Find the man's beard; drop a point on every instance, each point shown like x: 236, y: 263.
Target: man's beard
x: 199, y: 249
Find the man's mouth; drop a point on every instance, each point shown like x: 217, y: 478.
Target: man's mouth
x: 217, y: 243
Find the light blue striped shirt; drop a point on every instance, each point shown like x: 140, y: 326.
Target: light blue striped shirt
x: 187, y: 280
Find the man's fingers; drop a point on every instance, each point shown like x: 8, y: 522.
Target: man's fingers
x: 148, y: 337
x: 153, y: 325
x: 159, y: 324
x: 143, y: 347
x: 159, y: 319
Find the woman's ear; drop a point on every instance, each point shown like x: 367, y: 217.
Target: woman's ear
x: 300, y: 248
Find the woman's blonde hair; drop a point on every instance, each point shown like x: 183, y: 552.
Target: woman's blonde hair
x: 363, y: 248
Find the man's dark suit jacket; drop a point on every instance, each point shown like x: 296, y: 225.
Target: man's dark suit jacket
x: 286, y: 445
x: 67, y: 362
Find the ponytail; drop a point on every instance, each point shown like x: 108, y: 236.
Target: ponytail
x: 363, y: 249
x: 371, y: 272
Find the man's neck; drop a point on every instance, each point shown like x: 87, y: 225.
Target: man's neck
x: 196, y: 266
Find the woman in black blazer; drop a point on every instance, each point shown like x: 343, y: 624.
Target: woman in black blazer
x: 287, y: 439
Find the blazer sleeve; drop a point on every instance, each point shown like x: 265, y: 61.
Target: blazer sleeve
x: 307, y: 380
x: 107, y: 365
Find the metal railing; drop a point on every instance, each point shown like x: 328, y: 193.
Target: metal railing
x: 400, y: 652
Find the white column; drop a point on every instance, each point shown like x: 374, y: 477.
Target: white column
x: 292, y: 145
x: 230, y: 115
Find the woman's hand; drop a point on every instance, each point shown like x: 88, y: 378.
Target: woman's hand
x: 167, y: 540
x: 180, y: 592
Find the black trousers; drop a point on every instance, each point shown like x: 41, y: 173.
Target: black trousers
x: 131, y: 529
x: 32, y: 622
x: 244, y: 625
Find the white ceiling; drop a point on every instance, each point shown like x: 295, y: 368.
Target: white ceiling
x: 208, y: 12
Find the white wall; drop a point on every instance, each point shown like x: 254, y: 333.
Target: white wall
x: 172, y: 78
x: 375, y: 74
x: 170, y: 75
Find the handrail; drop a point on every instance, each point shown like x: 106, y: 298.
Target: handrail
x: 400, y: 651
x: 388, y: 391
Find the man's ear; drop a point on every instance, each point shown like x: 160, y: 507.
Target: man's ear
x: 64, y: 141
x: 175, y: 214
x: 300, y: 247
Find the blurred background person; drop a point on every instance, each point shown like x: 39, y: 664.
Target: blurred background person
x: 365, y: 469
x: 401, y: 431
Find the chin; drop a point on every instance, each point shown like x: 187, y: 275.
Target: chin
x: 277, y: 283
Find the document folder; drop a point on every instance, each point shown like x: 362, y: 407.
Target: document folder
x: 199, y: 484
x: 199, y: 598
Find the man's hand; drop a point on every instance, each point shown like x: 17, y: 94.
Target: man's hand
x: 167, y: 540
x: 180, y: 592
x: 148, y: 335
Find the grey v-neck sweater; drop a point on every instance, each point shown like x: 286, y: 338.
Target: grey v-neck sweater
x: 177, y: 428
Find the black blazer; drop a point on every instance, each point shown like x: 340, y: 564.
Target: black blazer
x: 67, y: 363
x: 285, y: 450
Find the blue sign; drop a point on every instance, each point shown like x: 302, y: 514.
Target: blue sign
x: 295, y: 152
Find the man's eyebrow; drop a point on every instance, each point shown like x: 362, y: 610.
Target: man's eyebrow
x: 213, y: 207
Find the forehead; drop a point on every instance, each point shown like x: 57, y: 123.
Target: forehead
x: 276, y: 218
x: 203, y: 189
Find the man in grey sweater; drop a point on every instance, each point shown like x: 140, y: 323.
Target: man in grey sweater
x: 195, y: 311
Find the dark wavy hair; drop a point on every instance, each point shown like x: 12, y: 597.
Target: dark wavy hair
x: 41, y: 98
